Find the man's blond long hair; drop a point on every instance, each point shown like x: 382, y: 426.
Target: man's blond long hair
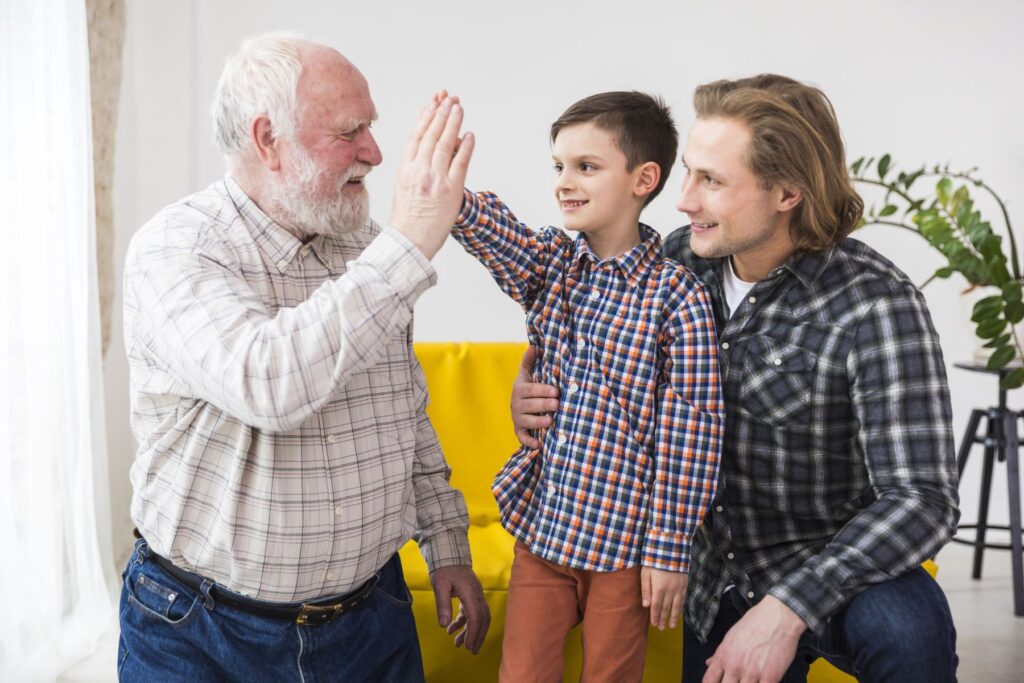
x: 795, y: 140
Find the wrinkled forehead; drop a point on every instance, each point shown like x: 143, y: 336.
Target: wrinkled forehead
x: 333, y: 92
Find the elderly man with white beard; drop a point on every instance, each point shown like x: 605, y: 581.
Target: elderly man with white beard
x: 285, y: 454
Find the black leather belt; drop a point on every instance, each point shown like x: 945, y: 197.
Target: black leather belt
x: 307, y: 614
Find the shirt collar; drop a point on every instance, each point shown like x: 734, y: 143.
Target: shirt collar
x: 632, y: 264
x: 278, y: 244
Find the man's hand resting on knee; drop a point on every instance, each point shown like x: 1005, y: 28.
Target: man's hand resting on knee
x: 760, y: 647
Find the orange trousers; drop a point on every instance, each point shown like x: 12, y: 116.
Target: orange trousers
x: 546, y: 600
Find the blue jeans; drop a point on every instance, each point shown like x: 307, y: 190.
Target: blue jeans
x: 170, y: 632
x: 900, y: 630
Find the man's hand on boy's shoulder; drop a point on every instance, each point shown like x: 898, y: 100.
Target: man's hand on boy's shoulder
x: 665, y: 593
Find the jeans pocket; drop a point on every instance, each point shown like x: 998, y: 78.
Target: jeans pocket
x: 388, y: 594
x: 157, y: 597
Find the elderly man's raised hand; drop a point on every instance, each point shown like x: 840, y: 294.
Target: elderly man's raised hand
x: 428, y: 188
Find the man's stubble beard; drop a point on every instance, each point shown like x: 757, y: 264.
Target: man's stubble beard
x: 299, y: 202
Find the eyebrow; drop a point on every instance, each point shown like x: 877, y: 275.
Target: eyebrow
x: 352, y: 124
x: 705, y: 171
x: 581, y: 157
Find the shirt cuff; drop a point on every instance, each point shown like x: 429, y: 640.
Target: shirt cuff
x: 445, y: 549
x: 812, y: 598
x: 469, y: 211
x: 667, y: 550
x: 401, y: 263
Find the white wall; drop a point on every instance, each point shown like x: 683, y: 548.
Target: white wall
x: 925, y: 80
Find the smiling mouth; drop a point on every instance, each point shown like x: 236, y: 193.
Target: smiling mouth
x: 572, y: 203
x: 356, y: 180
x: 702, y: 226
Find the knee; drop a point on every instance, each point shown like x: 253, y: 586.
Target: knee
x: 904, y: 623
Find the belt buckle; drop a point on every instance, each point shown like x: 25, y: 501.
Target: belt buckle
x: 317, y: 615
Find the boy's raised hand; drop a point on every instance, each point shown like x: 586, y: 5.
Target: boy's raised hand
x: 665, y: 593
x: 428, y: 186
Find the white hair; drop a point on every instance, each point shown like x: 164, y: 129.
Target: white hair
x: 261, y: 77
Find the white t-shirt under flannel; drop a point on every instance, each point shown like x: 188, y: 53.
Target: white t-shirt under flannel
x: 284, y: 447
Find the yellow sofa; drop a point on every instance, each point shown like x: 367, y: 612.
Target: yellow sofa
x: 470, y: 384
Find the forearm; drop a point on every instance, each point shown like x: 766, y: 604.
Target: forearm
x: 215, y: 336
x: 688, y: 436
x: 513, y: 254
x: 442, y: 520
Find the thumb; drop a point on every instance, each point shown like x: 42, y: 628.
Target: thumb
x: 443, y: 597
x: 526, y: 366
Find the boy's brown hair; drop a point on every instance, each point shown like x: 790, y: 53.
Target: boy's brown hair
x: 642, y: 125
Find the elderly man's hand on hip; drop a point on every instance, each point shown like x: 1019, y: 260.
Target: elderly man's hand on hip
x: 474, y: 618
x: 430, y: 180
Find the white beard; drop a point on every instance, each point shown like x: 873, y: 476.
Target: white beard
x: 340, y: 212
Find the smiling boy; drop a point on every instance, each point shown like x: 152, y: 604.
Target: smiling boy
x: 604, y: 511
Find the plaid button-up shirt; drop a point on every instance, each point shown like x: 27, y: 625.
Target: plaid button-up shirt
x: 627, y: 470
x: 838, y: 468
x: 284, y: 447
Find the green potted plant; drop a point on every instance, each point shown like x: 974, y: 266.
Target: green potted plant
x: 946, y: 217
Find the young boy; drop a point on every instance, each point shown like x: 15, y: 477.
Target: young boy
x: 604, y: 512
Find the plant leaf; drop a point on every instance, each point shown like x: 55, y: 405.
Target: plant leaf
x: 887, y: 210
x: 944, y: 189
x: 988, y: 329
x: 883, y: 166
x: 1013, y: 380
x: 1000, y: 357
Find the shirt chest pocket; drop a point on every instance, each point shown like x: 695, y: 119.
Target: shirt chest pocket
x: 777, y: 382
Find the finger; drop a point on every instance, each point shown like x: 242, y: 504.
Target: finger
x: 425, y: 117
x: 533, y: 420
x: 428, y: 142
x: 714, y: 671
x: 439, y: 97
x: 524, y: 437
x: 526, y: 391
x: 444, y: 151
x: 677, y: 609
x: 460, y: 164
x: 460, y: 640
x: 474, y: 620
x: 458, y: 622
x: 443, y: 597
x: 645, y: 589
x: 481, y: 635
x: 526, y: 365
x: 657, y: 596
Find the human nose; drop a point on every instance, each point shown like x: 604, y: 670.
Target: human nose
x: 688, y: 201
x: 369, y: 152
x: 564, y: 181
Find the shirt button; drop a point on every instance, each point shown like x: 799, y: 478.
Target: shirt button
x: 332, y: 438
x: 304, y: 251
x: 282, y: 264
x: 777, y: 361
x: 718, y: 508
x: 750, y: 594
x: 594, y: 294
x: 551, y: 490
x: 752, y: 300
x: 580, y: 344
x: 562, y: 438
x: 330, y: 576
x: 725, y: 345
x: 573, y: 388
x: 338, y: 511
x: 731, y: 556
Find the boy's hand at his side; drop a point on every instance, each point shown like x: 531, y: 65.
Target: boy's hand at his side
x: 531, y: 401
x: 665, y: 593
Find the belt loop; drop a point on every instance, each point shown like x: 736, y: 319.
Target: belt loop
x: 204, y: 588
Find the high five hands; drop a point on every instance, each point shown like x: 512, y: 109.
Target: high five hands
x: 428, y: 186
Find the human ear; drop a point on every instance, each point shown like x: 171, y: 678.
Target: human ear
x: 266, y: 144
x: 789, y: 197
x: 647, y: 176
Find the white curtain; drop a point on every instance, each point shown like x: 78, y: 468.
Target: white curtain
x: 56, y: 575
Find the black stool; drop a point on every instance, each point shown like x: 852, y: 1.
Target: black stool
x: 1001, y: 442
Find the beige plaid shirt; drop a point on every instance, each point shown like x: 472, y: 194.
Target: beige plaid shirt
x: 284, y: 447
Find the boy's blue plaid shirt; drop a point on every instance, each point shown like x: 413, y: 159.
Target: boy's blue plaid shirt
x: 630, y: 465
